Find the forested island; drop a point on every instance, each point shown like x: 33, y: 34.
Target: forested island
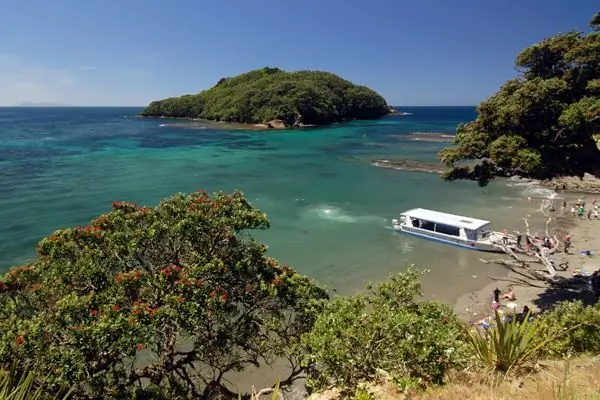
x: 276, y: 98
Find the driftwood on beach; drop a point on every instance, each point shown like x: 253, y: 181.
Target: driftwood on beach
x: 524, y: 262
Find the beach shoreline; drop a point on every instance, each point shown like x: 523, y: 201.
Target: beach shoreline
x: 476, y: 305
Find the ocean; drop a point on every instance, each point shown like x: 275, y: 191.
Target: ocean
x: 329, y: 206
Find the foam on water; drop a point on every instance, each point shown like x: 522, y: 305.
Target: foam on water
x: 337, y: 214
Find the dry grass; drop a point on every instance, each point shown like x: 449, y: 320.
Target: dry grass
x: 581, y: 381
x: 557, y: 380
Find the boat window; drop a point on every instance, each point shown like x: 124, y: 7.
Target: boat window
x: 471, y: 235
x: 430, y: 226
x: 447, y: 229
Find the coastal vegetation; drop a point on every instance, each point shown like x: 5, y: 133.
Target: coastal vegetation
x: 270, y: 94
x: 164, y: 302
x: 155, y: 301
x: 542, y: 123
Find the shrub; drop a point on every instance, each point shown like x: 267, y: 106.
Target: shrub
x: 383, y: 328
x: 575, y: 328
x: 143, y: 295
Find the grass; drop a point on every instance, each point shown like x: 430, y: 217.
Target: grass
x: 21, y: 386
x: 558, y: 380
x: 577, y: 379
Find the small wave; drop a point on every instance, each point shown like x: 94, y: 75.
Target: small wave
x: 532, y: 190
x: 163, y: 125
x: 437, y: 134
x: 338, y: 214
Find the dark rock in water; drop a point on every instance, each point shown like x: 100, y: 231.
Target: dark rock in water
x: 410, y: 165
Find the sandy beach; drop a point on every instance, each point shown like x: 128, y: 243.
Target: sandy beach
x: 585, y: 234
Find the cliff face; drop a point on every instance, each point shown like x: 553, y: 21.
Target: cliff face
x: 270, y: 94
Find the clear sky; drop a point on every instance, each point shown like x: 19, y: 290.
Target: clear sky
x: 128, y: 52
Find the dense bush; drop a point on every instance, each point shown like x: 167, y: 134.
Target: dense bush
x: 574, y: 327
x: 164, y: 300
x: 304, y: 97
x: 384, y: 328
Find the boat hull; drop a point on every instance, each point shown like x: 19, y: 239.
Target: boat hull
x: 451, y: 241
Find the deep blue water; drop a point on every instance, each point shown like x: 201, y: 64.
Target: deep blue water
x: 329, y: 206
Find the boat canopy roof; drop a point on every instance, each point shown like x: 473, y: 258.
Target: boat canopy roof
x: 446, y: 219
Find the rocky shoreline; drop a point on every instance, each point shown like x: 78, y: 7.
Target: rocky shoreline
x: 410, y: 165
x: 589, y: 184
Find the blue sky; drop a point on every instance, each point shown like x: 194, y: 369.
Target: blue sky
x: 128, y: 52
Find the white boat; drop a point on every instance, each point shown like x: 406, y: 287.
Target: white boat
x: 456, y: 230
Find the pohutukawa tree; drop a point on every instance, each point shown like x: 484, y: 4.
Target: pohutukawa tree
x: 541, y: 124
x: 165, y: 299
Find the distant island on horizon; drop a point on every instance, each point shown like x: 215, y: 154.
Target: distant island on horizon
x: 273, y: 98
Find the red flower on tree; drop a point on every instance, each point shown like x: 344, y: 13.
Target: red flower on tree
x: 93, y: 313
x: 180, y: 299
x: 116, y: 307
x: 139, y: 347
x: 20, y: 340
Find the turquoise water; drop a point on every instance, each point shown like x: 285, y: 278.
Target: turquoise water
x: 330, y: 207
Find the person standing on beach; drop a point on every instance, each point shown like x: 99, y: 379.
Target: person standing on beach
x: 496, y: 294
x: 589, y: 214
x: 563, y: 207
x: 567, y: 243
x: 596, y: 212
x: 580, y: 212
x: 573, y: 211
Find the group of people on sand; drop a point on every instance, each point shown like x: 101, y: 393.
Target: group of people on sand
x: 510, y: 297
x: 578, y: 209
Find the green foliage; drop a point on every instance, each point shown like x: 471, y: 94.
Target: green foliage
x: 304, y: 97
x: 509, y: 345
x: 131, y: 302
x: 574, y: 327
x: 541, y: 124
x: 363, y: 394
x: 595, y: 22
x: 15, y: 385
x: 383, y: 328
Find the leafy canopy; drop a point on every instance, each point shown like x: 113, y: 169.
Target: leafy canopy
x: 541, y: 124
x: 167, y: 299
x: 385, y: 328
x: 303, y: 97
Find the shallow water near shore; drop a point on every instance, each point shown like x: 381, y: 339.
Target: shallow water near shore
x: 330, y: 207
